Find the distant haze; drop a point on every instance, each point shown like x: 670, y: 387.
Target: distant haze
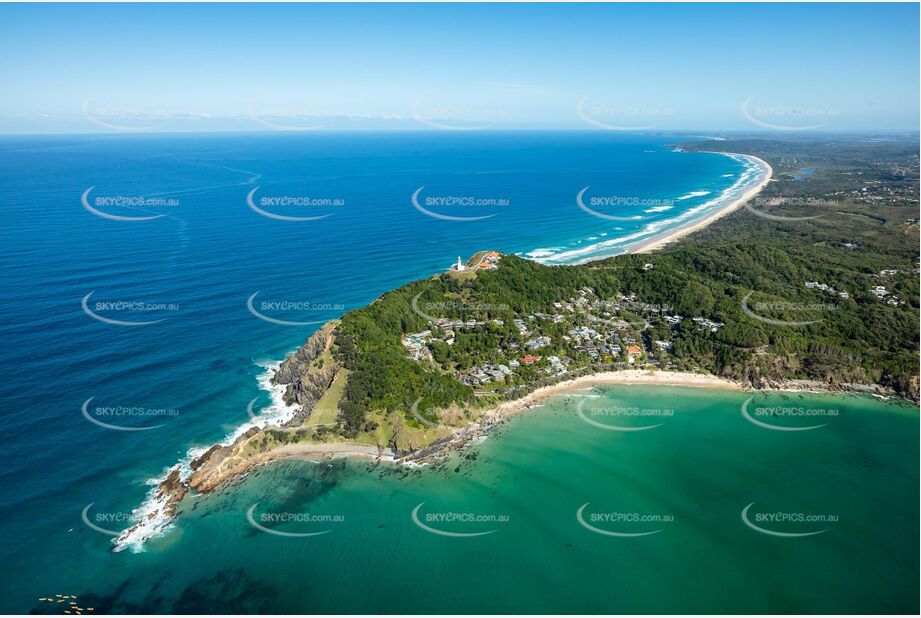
x: 614, y: 67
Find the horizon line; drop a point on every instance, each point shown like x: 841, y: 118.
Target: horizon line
x: 550, y: 129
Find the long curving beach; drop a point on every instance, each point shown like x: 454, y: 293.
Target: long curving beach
x: 658, y: 377
x: 659, y: 241
x: 757, y: 175
x: 158, y: 507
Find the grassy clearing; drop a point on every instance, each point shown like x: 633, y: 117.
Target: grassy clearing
x: 327, y: 409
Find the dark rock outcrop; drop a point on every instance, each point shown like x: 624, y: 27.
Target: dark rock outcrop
x: 306, y: 382
x: 299, y: 363
x: 173, y: 489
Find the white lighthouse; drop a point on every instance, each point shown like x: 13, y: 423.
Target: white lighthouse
x: 459, y: 266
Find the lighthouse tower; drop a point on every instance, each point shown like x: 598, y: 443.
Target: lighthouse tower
x: 460, y: 265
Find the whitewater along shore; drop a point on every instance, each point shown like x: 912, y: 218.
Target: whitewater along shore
x: 295, y: 386
x: 305, y: 377
x: 302, y: 379
x: 657, y: 242
x: 305, y: 385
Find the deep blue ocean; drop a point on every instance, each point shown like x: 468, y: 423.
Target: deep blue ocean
x: 183, y: 374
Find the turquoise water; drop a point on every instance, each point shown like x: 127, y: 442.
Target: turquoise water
x: 192, y: 375
x: 701, y: 467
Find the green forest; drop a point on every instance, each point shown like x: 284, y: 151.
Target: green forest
x: 858, y: 241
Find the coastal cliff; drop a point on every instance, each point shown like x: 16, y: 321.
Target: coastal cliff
x: 309, y: 372
x: 433, y: 363
x: 510, y: 327
x: 298, y: 365
x: 508, y: 337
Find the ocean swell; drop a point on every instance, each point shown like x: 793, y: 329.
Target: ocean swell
x: 750, y: 175
x: 155, y: 514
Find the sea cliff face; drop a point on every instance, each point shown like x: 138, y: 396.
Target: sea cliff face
x: 309, y: 371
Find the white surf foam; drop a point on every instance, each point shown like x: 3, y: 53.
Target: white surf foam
x: 151, y: 514
x: 749, y: 175
x: 543, y: 253
x: 694, y: 194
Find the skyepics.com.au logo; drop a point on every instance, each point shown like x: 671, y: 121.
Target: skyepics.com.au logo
x: 621, y: 418
x: 602, y: 206
x: 276, y: 311
x: 288, y: 117
x: 786, y: 418
x: 622, y: 524
x: 619, y: 117
x: 121, y: 119
x: 108, y: 206
x: 293, y: 524
x: 757, y: 205
x: 787, y: 524
x: 616, y: 323
x: 430, y: 417
x: 755, y: 310
x: 451, y: 205
x: 274, y: 207
x: 439, y: 311
x: 110, y: 523
x: 787, y: 117
x: 457, y: 524
x: 123, y: 418
x: 105, y: 311
x: 458, y: 117
x: 414, y: 410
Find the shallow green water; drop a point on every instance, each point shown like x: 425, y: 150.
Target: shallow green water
x: 693, y: 472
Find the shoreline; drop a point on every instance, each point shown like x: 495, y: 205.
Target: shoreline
x: 662, y: 239
x: 658, y: 242
x: 160, y: 505
x: 507, y: 409
x: 626, y: 377
x: 536, y: 398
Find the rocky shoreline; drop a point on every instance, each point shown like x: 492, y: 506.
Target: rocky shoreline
x: 306, y: 380
x: 305, y: 386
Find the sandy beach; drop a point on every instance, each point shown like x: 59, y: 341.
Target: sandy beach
x: 627, y: 376
x: 657, y: 242
x: 320, y: 450
x: 504, y: 410
x: 211, y: 477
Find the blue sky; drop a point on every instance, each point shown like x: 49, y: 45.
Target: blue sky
x: 621, y: 66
